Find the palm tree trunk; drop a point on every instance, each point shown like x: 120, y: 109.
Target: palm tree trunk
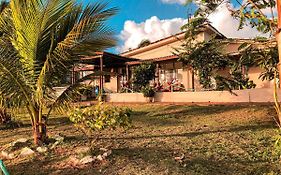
x: 39, y: 128
x: 36, y: 135
x: 39, y: 133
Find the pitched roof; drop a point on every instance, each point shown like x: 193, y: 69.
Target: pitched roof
x: 178, y: 36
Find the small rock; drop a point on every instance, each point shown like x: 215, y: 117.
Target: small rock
x: 58, y: 138
x: 20, y: 143
x: 73, y: 160
x: 42, y: 149
x: 4, y: 153
x: 100, y: 158
x: 8, y: 155
x: 87, y: 159
x: 106, y: 154
x: 56, y: 172
x: 179, y: 158
x: 82, y: 150
x: 26, y: 152
x: 55, y: 144
x: 21, y: 140
x: 103, y: 149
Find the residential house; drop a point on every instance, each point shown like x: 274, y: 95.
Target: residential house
x: 117, y: 69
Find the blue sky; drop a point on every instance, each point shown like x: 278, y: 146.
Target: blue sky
x: 141, y: 10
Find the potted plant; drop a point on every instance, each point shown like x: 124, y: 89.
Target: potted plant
x: 149, y: 93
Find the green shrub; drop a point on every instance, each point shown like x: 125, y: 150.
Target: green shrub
x: 142, y: 75
x: 100, y: 117
x: 5, y: 117
x: 148, y: 91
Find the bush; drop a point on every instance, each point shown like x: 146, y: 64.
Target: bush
x: 100, y: 117
x: 5, y: 117
x: 142, y: 75
x: 148, y: 91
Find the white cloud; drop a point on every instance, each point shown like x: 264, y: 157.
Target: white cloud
x: 222, y: 20
x: 174, y: 1
x: 152, y: 29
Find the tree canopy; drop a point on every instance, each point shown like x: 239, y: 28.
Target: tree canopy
x: 208, y: 57
x: 259, y: 14
x: 144, y: 43
x: 41, y: 41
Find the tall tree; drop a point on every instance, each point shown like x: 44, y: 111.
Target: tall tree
x: 41, y: 41
x: 209, y: 60
x: 259, y: 14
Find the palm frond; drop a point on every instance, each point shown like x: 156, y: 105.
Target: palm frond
x: 33, y: 19
x: 82, y: 32
x: 47, y: 38
x: 70, y: 93
x: 13, y: 83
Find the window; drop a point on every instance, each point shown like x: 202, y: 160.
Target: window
x: 168, y: 75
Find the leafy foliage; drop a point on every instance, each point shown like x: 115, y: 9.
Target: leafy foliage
x: 209, y: 60
x: 262, y: 53
x: 236, y: 80
x: 41, y: 41
x: 100, y: 117
x: 148, y: 91
x: 142, y: 75
x: 250, y: 12
x: 144, y: 43
x: 5, y: 117
x: 7, y: 111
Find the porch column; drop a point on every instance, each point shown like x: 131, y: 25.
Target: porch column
x: 192, y: 79
x: 174, y: 73
x: 101, y: 75
x: 158, y: 74
x: 127, y: 73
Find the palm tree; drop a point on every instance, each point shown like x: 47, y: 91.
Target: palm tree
x: 41, y: 41
x: 144, y: 43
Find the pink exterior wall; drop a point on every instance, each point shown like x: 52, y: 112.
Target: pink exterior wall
x: 254, y: 73
x: 249, y: 95
x: 112, y: 85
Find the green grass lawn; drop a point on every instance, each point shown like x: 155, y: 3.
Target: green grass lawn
x: 210, y: 140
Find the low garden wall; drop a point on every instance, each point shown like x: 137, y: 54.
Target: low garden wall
x: 242, y: 96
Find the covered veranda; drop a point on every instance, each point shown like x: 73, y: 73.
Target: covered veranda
x: 101, y: 66
x: 170, y: 74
